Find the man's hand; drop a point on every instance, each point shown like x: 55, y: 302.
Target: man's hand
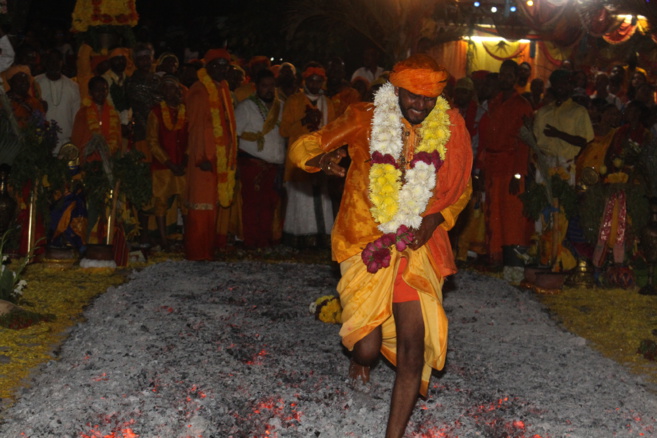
x: 575, y: 140
x: 312, y: 119
x: 514, y: 185
x: 177, y: 169
x: 329, y: 162
x: 428, y: 226
x: 478, y: 182
x: 205, y: 166
x: 551, y: 131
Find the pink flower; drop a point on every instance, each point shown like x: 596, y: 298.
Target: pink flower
x: 387, y: 239
x: 428, y: 158
x: 381, y: 255
x: 379, y: 158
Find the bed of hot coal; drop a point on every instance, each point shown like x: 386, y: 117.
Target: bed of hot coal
x: 230, y: 350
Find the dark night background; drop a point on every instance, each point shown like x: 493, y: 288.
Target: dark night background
x: 247, y: 28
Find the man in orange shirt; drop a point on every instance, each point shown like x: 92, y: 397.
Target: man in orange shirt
x: 408, y: 180
x: 504, y: 160
x: 96, y: 116
x: 212, y: 158
x: 166, y: 135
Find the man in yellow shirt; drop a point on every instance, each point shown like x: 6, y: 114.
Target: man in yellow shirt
x: 403, y: 191
x: 563, y: 127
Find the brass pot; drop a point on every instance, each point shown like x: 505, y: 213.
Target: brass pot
x: 550, y: 280
x: 100, y: 252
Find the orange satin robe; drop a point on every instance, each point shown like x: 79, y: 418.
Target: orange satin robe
x: 367, y: 298
x: 501, y: 156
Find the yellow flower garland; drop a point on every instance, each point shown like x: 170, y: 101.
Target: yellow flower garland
x: 393, y: 203
x: 385, y: 181
x: 226, y: 160
x: 166, y: 117
x: 435, y: 131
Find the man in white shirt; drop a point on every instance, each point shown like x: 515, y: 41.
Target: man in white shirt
x: 61, y: 94
x: 260, y: 160
x: 6, y: 51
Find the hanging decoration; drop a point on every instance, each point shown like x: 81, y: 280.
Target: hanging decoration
x: 502, y: 50
x: 621, y: 34
x: 555, y: 54
x: 88, y: 13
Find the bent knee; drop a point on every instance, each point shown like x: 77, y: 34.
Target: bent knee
x: 366, y: 351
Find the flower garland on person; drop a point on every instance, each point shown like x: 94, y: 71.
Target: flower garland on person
x: 166, y: 116
x: 226, y: 161
x: 270, y: 116
x: 399, y: 196
x: 94, y: 122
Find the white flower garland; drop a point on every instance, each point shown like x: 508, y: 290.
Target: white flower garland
x: 394, y: 203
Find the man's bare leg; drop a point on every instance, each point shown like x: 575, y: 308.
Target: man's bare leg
x: 365, y: 353
x: 161, y: 226
x: 410, y: 360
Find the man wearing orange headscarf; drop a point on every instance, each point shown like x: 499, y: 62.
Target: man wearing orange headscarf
x: 212, y: 158
x: 408, y: 180
x: 309, y: 212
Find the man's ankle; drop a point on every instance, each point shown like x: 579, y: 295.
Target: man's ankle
x: 359, y: 372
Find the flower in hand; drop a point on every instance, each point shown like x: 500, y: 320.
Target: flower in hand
x: 376, y: 255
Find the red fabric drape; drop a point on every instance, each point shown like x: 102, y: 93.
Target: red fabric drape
x: 542, y: 15
x: 620, y: 35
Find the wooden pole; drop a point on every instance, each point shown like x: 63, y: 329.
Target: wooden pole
x: 32, y: 215
x: 555, y: 233
x: 111, y: 219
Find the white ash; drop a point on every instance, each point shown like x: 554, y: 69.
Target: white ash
x: 230, y: 350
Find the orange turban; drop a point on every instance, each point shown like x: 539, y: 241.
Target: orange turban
x: 419, y: 74
x: 311, y: 71
x: 16, y: 69
x: 213, y: 54
x: 120, y: 51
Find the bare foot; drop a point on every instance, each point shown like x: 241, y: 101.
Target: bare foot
x: 359, y: 372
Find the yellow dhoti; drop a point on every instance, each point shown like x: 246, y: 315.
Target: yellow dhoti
x: 367, y: 303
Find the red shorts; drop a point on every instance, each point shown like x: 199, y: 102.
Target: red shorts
x: 402, y: 291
